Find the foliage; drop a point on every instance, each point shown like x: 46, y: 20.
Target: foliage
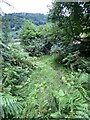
x: 34, y: 88
x: 36, y: 40
x: 16, y: 19
x: 28, y: 32
x: 40, y: 87
x: 5, y: 30
x: 16, y: 68
x: 38, y: 100
x: 72, y: 60
x: 70, y: 23
x: 58, y: 96
x: 71, y: 33
x: 10, y: 106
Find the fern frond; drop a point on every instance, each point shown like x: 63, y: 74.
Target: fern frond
x: 10, y: 105
x: 82, y: 111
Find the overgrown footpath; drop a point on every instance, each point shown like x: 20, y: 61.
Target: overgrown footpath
x: 45, y: 69
x: 39, y: 87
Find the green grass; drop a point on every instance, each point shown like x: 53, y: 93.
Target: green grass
x: 57, y: 67
x: 54, y: 91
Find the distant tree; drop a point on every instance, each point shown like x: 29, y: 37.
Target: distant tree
x: 5, y: 30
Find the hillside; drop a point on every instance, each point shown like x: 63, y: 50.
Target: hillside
x: 16, y: 19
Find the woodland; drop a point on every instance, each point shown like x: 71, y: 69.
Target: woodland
x: 45, y: 63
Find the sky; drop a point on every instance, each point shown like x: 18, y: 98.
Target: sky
x: 29, y: 6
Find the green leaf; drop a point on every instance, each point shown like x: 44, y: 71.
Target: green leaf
x: 55, y: 115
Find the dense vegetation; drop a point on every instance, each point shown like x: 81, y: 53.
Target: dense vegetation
x: 46, y: 70
x: 16, y: 20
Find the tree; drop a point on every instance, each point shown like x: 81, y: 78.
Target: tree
x: 72, y: 19
x: 5, y: 30
x: 28, y: 32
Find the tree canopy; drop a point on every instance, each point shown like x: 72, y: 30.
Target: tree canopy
x: 72, y: 19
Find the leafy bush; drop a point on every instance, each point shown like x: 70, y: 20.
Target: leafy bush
x: 69, y: 99
x: 16, y: 68
x: 70, y: 58
x: 74, y: 61
x: 28, y: 33
x: 36, y: 40
x: 35, y: 48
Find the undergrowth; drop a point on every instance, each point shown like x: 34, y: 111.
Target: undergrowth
x: 42, y: 88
